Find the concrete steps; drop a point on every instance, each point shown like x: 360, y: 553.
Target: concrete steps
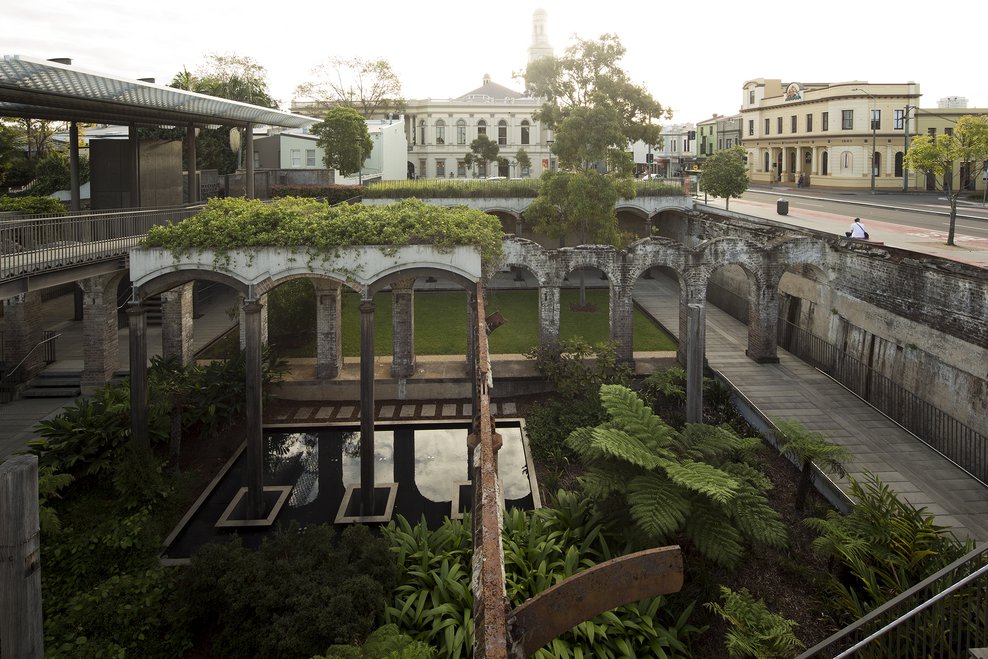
x: 53, y: 384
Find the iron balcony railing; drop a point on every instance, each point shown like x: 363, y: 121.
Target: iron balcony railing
x: 963, y: 445
x: 44, y: 243
x: 943, y: 616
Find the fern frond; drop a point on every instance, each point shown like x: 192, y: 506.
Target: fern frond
x: 712, y: 442
x: 619, y: 444
x: 599, y: 481
x: 713, y: 534
x: 757, y: 520
x: 657, y: 506
x: 702, y: 478
x: 580, y: 441
x: 629, y: 413
x: 748, y: 474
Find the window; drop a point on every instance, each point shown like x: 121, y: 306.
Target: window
x: 846, y: 161
x: 296, y: 157
x: 720, y: 144
x: 502, y: 132
x: 792, y: 124
x: 778, y: 125
x: 440, y: 131
x: 481, y: 128
x: 768, y: 128
x: 526, y: 171
x: 825, y: 121
x: 932, y: 132
x: 422, y: 168
x: 310, y: 157
x: 525, y: 132
x: 461, y: 132
x: 751, y: 97
x: 876, y: 119
x: 846, y: 119
x: 461, y: 168
x: 422, y: 132
x: 898, y: 120
x: 809, y: 123
x: 441, y: 168
x: 948, y: 131
x: 751, y: 126
x: 257, y: 159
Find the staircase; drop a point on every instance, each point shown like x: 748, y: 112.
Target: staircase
x: 54, y: 384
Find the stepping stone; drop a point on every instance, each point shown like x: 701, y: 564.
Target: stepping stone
x: 387, y: 411
x: 429, y: 410
x: 407, y: 411
x: 449, y: 409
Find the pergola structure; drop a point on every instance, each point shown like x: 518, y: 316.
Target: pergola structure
x: 44, y: 89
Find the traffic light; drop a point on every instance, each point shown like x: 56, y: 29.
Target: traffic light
x: 692, y: 135
x: 649, y: 158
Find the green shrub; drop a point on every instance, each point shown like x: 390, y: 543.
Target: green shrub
x: 452, y: 189
x: 31, y: 205
x: 331, y: 194
x: 754, y: 630
x: 386, y: 642
x: 300, y: 593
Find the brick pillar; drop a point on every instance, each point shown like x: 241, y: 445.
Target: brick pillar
x: 695, y: 358
x: 138, y: 345
x: 684, y: 314
x: 329, y: 338
x: 622, y: 307
x: 251, y: 314
x: 177, y: 336
x: 763, y: 326
x: 21, y: 335
x: 403, y: 327
x: 262, y: 319
x: 548, y: 315
x: 100, y: 348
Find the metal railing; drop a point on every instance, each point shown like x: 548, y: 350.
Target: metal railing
x: 942, y: 616
x: 734, y: 305
x: 963, y: 445
x: 51, y: 242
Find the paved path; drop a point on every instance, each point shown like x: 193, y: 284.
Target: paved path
x: 792, y: 389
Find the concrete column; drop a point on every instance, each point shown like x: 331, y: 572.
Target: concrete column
x: 255, y: 443
x: 75, y: 201
x: 548, y: 315
x: 763, y: 323
x: 263, y: 320
x: 684, y: 314
x: 22, y: 335
x: 403, y: 327
x: 694, y: 361
x: 249, y: 158
x: 21, y: 632
x: 101, y: 347
x: 135, y: 167
x: 329, y: 337
x: 138, y: 345
x: 177, y: 336
x: 622, y: 307
x: 367, y: 308
x: 190, y: 164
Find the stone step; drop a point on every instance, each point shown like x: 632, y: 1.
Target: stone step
x: 51, y: 392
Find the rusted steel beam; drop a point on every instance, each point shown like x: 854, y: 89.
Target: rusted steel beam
x: 489, y: 599
x: 588, y: 594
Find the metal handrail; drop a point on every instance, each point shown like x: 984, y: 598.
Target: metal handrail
x: 21, y: 363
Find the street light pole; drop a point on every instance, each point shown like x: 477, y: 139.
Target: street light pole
x: 871, y: 118
x: 905, y: 172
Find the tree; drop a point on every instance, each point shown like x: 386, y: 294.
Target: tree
x: 522, y: 160
x: 806, y: 448
x: 967, y: 145
x: 368, y: 86
x: 344, y: 138
x: 482, y: 151
x: 725, y: 174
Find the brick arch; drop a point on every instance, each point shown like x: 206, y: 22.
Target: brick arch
x: 601, y: 257
x: 169, y: 280
x: 532, y: 257
x: 721, y: 251
x: 654, y: 252
x: 794, y: 252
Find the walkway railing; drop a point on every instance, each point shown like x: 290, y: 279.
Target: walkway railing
x: 943, y: 616
x: 52, y: 242
x: 960, y: 443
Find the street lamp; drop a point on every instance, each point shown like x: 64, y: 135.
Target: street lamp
x: 872, y: 120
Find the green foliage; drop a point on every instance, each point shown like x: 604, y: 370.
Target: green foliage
x: 695, y: 483
x: 49, y: 484
x: 331, y: 194
x: 482, y: 151
x: 577, y: 369
x: 755, y: 631
x: 664, y: 388
x: 579, y: 204
x: 452, y: 189
x: 386, y: 642
x: 300, y: 593
x: 806, y: 448
x: 725, y: 174
x: 882, y: 547
x: 32, y: 205
x: 344, y: 138
x: 369, y: 86
x: 51, y: 173
x: 244, y: 224
x: 234, y: 77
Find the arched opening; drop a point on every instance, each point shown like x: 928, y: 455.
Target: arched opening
x: 824, y: 163
x: 898, y: 164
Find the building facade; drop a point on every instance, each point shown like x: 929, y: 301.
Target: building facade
x: 941, y: 121
x: 848, y: 135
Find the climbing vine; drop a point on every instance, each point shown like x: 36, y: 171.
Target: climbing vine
x: 226, y: 225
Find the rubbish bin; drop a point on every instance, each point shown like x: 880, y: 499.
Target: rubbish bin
x: 782, y: 207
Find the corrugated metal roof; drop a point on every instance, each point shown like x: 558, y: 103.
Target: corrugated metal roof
x: 40, y: 89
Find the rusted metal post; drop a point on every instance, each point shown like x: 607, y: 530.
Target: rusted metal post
x: 694, y: 362
x: 255, y: 440
x: 21, y: 633
x: 138, y: 351
x: 367, y: 308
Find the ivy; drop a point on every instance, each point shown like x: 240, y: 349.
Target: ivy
x: 226, y: 225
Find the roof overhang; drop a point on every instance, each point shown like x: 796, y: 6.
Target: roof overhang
x: 40, y: 89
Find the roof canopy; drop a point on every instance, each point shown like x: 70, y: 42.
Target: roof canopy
x: 40, y: 89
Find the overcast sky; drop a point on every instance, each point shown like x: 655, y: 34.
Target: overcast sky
x: 693, y: 57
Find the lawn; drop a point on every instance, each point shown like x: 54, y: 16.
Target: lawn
x: 441, y: 317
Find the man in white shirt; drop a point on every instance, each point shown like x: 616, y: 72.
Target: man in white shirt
x: 857, y: 230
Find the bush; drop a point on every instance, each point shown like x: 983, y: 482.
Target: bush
x: 386, y: 642
x: 755, y: 631
x: 301, y: 592
x: 331, y: 194
x: 33, y: 205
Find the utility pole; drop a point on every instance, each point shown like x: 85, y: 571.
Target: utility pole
x: 905, y: 150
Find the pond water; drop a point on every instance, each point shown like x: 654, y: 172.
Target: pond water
x: 314, y: 467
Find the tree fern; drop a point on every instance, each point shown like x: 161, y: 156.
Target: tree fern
x: 619, y: 444
x: 657, y: 506
x: 702, y: 478
x: 630, y: 413
x: 711, y: 531
x: 757, y: 520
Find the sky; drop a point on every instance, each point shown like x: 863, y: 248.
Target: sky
x: 694, y: 58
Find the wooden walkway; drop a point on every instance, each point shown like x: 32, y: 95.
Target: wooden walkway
x: 792, y: 389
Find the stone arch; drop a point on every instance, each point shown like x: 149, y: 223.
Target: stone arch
x: 672, y: 223
x: 633, y: 220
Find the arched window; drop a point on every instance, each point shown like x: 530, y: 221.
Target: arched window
x: 765, y: 165
x: 525, y: 132
x: 502, y: 132
x: 877, y: 163
x: 824, y: 162
x: 481, y: 128
x: 422, y: 131
x: 461, y: 132
x: 440, y: 131
x: 846, y: 161
x: 898, y: 164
